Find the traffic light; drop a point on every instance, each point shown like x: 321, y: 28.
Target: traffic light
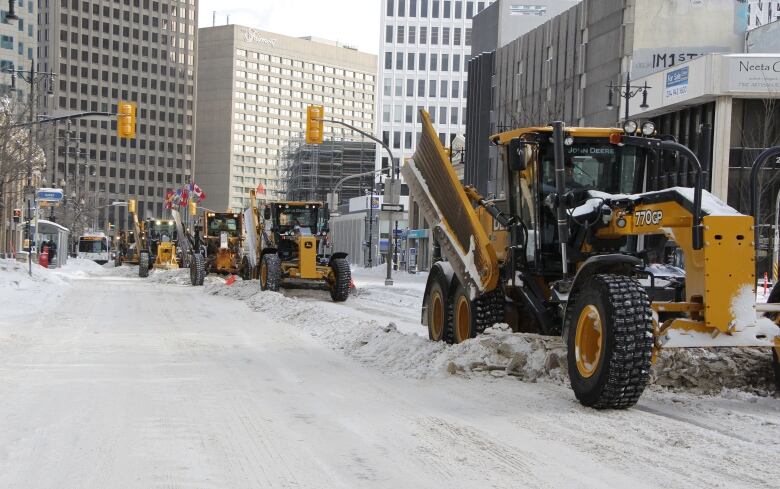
x: 314, y: 114
x: 17, y: 215
x: 126, y: 119
x: 131, y: 206
x: 193, y: 208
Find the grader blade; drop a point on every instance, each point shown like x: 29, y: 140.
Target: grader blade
x: 445, y: 205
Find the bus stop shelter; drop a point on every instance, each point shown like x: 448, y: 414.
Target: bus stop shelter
x: 47, y: 231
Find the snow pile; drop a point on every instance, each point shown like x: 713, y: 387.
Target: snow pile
x: 175, y: 276
x: 22, y: 294
x: 710, y: 370
x: 15, y: 275
x: 380, y: 344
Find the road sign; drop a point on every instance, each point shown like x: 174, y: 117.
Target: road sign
x: 48, y: 194
x: 393, y: 207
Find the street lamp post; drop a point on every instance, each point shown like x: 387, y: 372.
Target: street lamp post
x: 33, y: 78
x: 627, y: 92
x: 394, y: 175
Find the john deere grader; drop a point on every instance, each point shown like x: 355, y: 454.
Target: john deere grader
x: 289, y: 248
x: 568, y: 253
x: 217, y: 245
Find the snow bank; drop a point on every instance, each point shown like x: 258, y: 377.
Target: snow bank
x: 498, y: 352
x: 22, y: 294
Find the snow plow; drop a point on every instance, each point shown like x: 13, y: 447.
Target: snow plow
x: 289, y: 248
x: 217, y: 246
x: 569, y: 252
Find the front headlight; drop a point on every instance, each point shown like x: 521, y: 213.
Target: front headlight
x: 648, y: 128
x: 630, y: 127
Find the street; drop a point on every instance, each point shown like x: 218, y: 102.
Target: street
x: 116, y: 381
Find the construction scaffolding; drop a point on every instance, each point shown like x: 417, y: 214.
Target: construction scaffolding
x: 309, y: 171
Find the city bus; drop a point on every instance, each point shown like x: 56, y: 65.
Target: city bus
x: 95, y: 247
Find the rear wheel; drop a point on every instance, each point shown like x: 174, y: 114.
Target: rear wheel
x: 463, y: 324
x: 197, y: 269
x: 610, y: 342
x: 439, y: 312
x: 246, y: 269
x: 270, y: 272
x: 342, y: 276
x: 143, y: 265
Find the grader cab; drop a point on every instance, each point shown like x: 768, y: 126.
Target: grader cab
x: 573, y: 251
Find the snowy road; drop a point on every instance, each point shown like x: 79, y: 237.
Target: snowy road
x: 137, y: 384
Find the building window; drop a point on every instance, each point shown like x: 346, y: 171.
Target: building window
x: 443, y: 92
x: 469, y: 10
x: 7, y: 42
x: 458, y: 10
x: 399, y: 34
x: 447, y: 9
x: 412, y: 34
x: 445, y: 62
x: 401, y: 8
x: 410, y: 61
x: 435, y: 9
x: 424, y: 8
x: 457, y: 39
x: 399, y: 61
x: 388, y: 61
x: 396, y: 139
x: 389, y: 34
x: 408, y: 139
x: 434, y: 62
x: 421, y: 88
x: 413, y: 8
x: 423, y: 34
x: 445, y: 36
x: 432, y: 90
x: 421, y: 62
x: 409, y: 117
x: 389, y: 8
x: 434, y: 35
x: 455, y: 88
x: 456, y: 62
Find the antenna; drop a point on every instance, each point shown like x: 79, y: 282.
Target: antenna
x: 214, y: 18
x: 228, y: 20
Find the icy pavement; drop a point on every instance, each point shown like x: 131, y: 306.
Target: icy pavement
x: 109, y: 380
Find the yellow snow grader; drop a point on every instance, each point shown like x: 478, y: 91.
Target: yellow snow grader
x: 572, y: 250
x: 289, y: 248
x: 217, y: 245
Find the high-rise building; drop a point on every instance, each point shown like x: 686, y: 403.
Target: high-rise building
x: 423, y: 50
x: 105, y: 51
x: 17, y: 44
x: 253, y: 90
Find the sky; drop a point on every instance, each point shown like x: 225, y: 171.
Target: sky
x: 353, y: 22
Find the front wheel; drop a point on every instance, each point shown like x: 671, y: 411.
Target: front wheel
x: 270, y: 272
x: 143, y: 265
x: 438, y: 310
x: 197, y: 269
x: 246, y: 269
x: 342, y: 278
x: 610, y: 342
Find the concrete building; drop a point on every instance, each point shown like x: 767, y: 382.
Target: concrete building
x: 18, y: 47
x: 561, y: 69
x: 424, y: 47
x: 18, y: 44
x: 106, y: 51
x: 253, y: 90
x: 495, y: 27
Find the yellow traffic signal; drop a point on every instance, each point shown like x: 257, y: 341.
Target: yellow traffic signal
x: 131, y: 205
x: 314, y: 114
x: 193, y: 208
x: 126, y: 119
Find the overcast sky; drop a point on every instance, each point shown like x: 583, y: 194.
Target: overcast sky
x: 354, y: 22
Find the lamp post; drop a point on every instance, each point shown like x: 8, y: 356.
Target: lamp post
x: 394, y: 175
x: 118, y: 203
x: 33, y: 78
x: 627, y: 92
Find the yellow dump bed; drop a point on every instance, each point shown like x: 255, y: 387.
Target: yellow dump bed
x: 444, y: 204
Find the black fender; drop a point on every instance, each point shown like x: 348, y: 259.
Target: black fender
x: 439, y: 269
x: 613, y: 263
x: 267, y: 251
x: 338, y: 254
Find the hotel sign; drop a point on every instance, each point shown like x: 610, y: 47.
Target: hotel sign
x: 258, y: 37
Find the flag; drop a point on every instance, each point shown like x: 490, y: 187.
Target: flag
x: 168, y: 199
x: 184, y: 197
x: 260, y: 188
x: 197, y: 192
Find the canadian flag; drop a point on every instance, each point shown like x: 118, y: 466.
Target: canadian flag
x: 198, y: 192
x: 260, y: 188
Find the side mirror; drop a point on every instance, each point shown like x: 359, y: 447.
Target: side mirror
x: 518, y: 155
x: 267, y: 213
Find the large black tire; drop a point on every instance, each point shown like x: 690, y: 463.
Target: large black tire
x: 438, y: 308
x: 197, y: 269
x: 468, y: 318
x: 339, y: 289
x: 270, y: 272
x: 610, y: 342
x: 246, y: 269
x: 143, y: 265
